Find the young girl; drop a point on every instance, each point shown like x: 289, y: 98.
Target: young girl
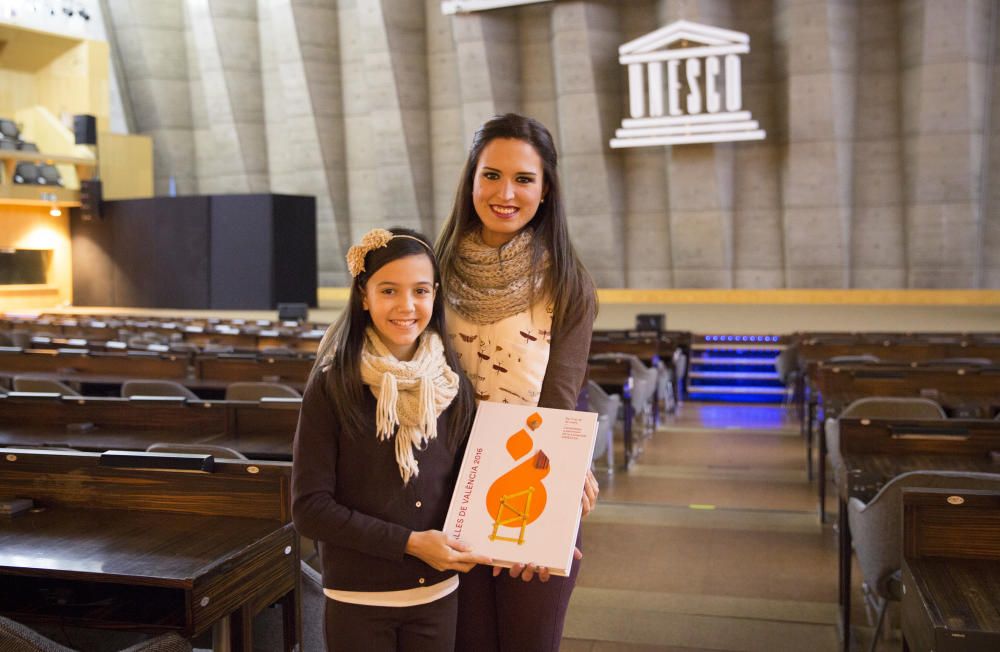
x: 521, y: 312
x: 384, y: 417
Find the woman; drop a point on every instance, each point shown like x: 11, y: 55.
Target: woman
x: 384, y: 417
x: 521, y: 309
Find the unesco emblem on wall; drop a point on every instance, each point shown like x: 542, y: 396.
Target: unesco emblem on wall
x: 685, y: 86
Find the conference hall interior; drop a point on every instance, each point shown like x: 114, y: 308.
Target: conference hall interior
x: 790, y: 210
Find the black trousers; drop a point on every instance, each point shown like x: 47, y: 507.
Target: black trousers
x: 504, y: 614
x: 423, y: 628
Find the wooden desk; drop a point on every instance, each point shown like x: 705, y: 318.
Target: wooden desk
x: 292, y: 371
x: 951, y: 571
x: 873, y: 456
x: 616, y: 376
x: 259, y: 430
x: 148, y: 550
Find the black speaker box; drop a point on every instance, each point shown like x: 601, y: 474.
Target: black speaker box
x: 85, y: 129
x: 650, y: 322
x: 293, y: 312
x: 90, y: 199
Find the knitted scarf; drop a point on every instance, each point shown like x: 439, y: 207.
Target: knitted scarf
x: 410, y: 395
x: 492, y: 283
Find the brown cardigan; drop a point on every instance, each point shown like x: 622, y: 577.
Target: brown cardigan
x: 569, y: 349
x: 347, y: 495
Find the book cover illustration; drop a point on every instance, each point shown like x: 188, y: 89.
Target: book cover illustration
x: 518, y: 493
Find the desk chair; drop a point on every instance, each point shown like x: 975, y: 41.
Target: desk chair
x: 20, y: 338
x: 643, y: 390
x: 267, y: 624
x: 218, y: 348
x: 16, y: 637
x: 254, y: 391
x: 278, y: 351
x: 877, y: 530
x: 156, y: 388
x: 865, y: 358
x: 29, y: 384
x: 607, y: 406
x: 959, y: 362
x: 220, y: 452
x: 787, y: 367
x: 877, y: 407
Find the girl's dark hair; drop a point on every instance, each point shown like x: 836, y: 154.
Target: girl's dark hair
x: 565, y: 280
x: 339, y: 354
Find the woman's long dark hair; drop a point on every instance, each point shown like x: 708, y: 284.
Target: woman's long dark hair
x: 339, y: 354
x: 565, y: 280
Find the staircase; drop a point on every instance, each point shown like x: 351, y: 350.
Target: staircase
x: 735, y: 368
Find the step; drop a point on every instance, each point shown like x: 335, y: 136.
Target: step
x: 737, y: 346
x: 725, y: 389
x: 749, y: 362
x: 736, y: 375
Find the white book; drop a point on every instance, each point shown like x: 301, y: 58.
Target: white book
x: 518, y: 493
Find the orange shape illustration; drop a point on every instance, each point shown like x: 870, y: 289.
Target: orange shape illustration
x: 519, y: 444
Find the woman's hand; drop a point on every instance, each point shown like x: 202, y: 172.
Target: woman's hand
x: 527, y: 571
x: 590, y: 491
x: 440, y: 552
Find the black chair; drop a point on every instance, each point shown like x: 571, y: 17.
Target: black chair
x: 132, y: 388
x: 48, y: 175
x: 26, y: 172
x: 9, y: 130
x: 16, y: 637
x: 25, y: 146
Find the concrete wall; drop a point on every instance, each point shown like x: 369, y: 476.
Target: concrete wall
x: 881, y: 166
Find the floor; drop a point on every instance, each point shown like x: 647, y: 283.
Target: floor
x: 711, y: 541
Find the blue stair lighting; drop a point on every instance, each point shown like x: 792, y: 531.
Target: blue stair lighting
x: 735, y: 368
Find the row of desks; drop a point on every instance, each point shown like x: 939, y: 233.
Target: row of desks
x: 211, y: 372
x: 246, y: 335
x: 962, y: 392
x: 260, y: 430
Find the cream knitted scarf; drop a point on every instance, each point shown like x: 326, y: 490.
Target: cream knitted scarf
x: 492, y: 283
x: 410, y: 395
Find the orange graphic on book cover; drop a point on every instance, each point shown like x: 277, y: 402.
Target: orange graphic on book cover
x: 518, y: 497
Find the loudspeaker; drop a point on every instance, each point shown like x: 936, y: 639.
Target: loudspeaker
x: 90, y: 199
x: 85, y: 129
x: 293, y: 312
x: 650, y: 322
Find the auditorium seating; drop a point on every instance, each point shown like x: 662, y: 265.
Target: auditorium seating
x: 29, y: 384
x: 254, y: 391
x: 16, y: 637
x: 220, y: 452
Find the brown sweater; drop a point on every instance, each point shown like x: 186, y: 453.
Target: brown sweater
x: 566, y: 371
x: 347, y: 495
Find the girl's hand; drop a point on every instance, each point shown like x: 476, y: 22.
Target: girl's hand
x: 527, y: 571
x: 441, y: 552
x: 590, y: 491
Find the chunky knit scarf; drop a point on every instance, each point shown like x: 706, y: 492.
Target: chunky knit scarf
x: 491, y: 284
x: 410, y: 394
